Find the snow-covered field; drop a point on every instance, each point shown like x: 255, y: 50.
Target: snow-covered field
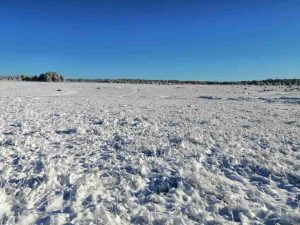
x: 148, y: 154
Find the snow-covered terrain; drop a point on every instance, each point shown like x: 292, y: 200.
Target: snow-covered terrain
x: 88, y: 153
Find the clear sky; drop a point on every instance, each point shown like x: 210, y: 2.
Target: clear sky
x: 167, y: 39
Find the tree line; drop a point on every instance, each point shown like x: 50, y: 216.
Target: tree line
x: 55, y: 77
x: 144, y: 81
x: 45, y: 77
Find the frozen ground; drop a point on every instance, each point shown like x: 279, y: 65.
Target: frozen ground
x: 147, y: 154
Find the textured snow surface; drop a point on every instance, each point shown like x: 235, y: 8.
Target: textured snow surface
x: 147, y: 154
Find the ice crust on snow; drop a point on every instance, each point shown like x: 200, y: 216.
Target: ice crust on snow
x: 147, y: 154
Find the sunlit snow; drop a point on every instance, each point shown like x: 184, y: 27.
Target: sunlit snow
x: 148, y: 154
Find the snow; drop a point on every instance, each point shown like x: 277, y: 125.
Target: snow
x: 148, y: 154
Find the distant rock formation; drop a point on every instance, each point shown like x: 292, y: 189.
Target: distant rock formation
x: 51, y: 77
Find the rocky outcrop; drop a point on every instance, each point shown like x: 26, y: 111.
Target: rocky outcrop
x: 51, y: 77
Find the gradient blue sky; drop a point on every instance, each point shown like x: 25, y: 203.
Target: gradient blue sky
x: 187, y: 40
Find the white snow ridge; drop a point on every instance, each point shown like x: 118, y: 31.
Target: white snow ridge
x: 148, y: 154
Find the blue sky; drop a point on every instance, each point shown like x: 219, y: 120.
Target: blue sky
x: 187, y: 40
